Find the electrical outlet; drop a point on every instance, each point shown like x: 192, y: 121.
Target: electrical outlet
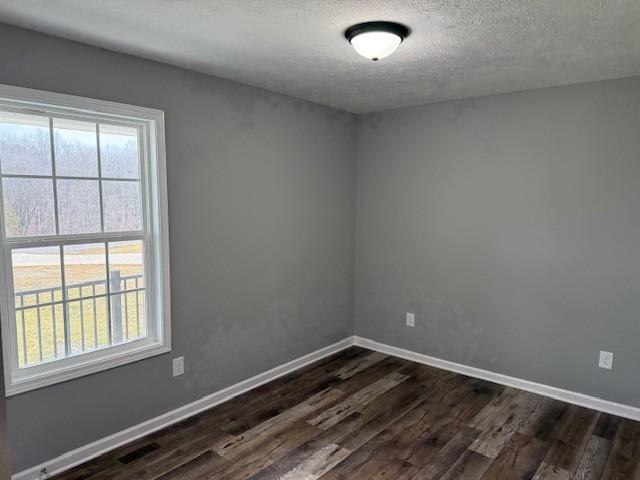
x: 606, y: 360
x: 178, y: 366
x: 411, y: 319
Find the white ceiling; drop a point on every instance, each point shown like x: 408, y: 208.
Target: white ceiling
x: 458, y: 48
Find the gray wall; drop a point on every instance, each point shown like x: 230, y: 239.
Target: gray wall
x: 5, y: 461
x: 511, y: 226
x: 261, y: 211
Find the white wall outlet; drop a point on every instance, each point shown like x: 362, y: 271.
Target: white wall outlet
x: 178, y: 366
x: 411, y: 319
x: 606, y: 360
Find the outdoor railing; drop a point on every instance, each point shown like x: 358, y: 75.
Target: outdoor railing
x: 45, y: 333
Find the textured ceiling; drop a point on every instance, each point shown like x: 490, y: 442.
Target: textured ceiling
x: 458, y: 48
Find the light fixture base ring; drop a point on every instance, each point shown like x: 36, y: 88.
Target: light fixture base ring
x: 379, y: 26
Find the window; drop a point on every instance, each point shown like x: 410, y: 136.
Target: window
x: 85, y: 283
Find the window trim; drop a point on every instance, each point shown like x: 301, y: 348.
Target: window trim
x: 154, y: 190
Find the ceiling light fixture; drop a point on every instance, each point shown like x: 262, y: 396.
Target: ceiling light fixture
x: 376, y: 40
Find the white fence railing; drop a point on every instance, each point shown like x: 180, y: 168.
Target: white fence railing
x: 44, y: 332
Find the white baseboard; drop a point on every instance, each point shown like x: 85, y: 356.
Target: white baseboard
x: 568, y: 396
x: 85, y: 453
x: 92, y: 450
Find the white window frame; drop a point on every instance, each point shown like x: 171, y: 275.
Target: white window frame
x: 155, y: 216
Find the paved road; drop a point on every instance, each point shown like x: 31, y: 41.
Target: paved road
x: 34, y: 260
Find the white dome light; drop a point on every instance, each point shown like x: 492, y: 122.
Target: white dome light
x: 376, y: 45
x: 376, y: 40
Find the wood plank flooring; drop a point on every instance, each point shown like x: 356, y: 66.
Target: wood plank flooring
x: 362, y: 415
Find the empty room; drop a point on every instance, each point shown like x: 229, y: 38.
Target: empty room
x: 319, y: 240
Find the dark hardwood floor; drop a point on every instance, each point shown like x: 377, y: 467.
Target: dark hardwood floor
x: 365, y: 415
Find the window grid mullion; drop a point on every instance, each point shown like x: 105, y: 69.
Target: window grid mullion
x: 71, y: 177
x: 108, y: 290
x: 65, y: 305
x: 53, y: 176
x: 100, y: 177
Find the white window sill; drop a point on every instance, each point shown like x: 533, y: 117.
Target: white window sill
x: 50, y: 373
